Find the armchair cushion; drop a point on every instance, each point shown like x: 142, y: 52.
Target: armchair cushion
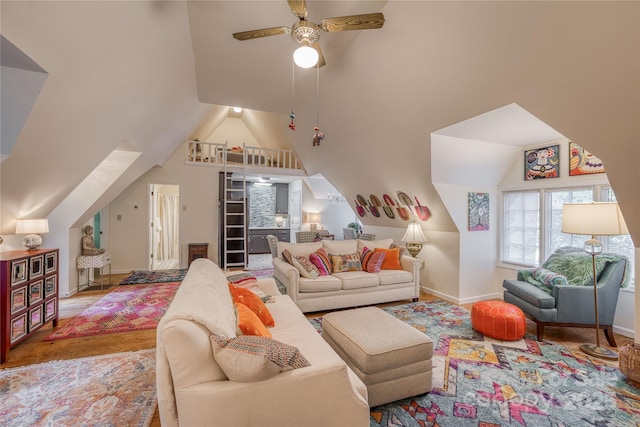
x: 533, y: 295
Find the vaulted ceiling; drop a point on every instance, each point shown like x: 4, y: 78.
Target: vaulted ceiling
x: 142, y: 76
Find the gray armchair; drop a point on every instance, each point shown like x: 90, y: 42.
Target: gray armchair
x: 569, y: 305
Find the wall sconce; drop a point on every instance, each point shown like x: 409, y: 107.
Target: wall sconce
x: 312, y: 218
x: 31, y: 227
x: 414, y: 238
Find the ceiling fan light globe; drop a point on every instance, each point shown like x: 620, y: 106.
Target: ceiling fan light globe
x: 305, y: 57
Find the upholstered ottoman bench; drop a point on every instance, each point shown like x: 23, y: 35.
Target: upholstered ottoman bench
x: 499, y: 320
x: 392, y: 358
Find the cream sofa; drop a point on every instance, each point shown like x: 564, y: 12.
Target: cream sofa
x: 193, y: 390
x: 348, y: 289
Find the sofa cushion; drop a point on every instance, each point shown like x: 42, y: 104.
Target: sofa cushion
x: 320, y: 259
x: 321, y: 284
x: 529, y: 293
x: 372, y: 244
x: 393, y: 277
x: 253, y: 302
x: 346, y: 262
x: 357, y: 279
x: 340, y: 247
x: 255, y: 358
x: 249, y: 323
x: 391, y: 260
x: 305, y: 267
x: 299, y: 249
x: 371, y: 260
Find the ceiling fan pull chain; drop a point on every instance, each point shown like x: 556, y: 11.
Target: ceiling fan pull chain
x: 317, y: 136
x: 292, y: 115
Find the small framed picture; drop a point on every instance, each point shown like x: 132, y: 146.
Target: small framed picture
x: 18, y: 299
x: 36, y: 266
x: 35, y: 318
x: 50, y: 286
x: 18, y: 272
x: 35, y: 292
x: 50, y: 309
x: 543, y: 162
x: 50, y: 262
x: 18, y: 328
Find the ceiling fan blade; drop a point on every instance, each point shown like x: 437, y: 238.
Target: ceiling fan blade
x: 354, y: 22
x: 265, y: 32
x: 321, y: 61
x: 298, y: 8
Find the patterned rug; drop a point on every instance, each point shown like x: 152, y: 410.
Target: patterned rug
x: 479, y: 381
x: 124, y: 309
x: 158, y: 276
x: 112, y: 390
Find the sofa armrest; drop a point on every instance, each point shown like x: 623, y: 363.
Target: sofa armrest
x: 268, y: 286
x: 288, y: 275
x: 413, y: 266
x: 264, y: 402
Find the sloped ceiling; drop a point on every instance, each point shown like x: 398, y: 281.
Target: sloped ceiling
x: 141, y: 73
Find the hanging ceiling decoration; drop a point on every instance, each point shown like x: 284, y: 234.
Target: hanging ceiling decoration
x: 307, y: 33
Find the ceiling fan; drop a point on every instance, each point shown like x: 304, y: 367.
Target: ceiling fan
x: 307, y: 33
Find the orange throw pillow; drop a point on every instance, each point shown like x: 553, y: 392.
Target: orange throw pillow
x: 248, y: 322
x: 391, y: 259
x: 253, y: 302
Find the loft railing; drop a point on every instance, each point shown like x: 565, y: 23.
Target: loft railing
x: 219, y: 154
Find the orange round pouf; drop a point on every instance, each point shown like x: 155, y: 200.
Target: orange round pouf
x: 499, y: 320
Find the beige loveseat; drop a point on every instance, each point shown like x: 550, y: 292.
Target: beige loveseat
x: 194, y: 391
x: 346, y: 289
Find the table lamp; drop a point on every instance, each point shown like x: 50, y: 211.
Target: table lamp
x: 32, y: 228
x: 414, y: 238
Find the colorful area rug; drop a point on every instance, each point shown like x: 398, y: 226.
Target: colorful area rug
x: 478, y: 381
x: 112, y: 390
x: 158, y: 276
x: 124, y: 309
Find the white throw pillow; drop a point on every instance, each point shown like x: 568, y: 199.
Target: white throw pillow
x: 340, y: 247
x: 372, y: 244
x: 255, y: 358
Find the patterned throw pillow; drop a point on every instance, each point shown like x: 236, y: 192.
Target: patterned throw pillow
x: 391, y: 260
x: 305, y: 267
x: 320, y: 259
x: 577, y: 267
x: 254, y: 358
x: 344, y: 263
x: 249, y: 323
x: 253, y: 302
x: 371, y: 260
x: 403, y: 249
x: 287, y: 256
x: 549, y: 278
x: 247, y: 281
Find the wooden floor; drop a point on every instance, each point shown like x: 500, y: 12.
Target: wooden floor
x: 36, y: 350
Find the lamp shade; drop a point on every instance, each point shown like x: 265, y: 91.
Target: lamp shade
x: 32, y: 226
x: 596, y: 219
x: 414, y: 234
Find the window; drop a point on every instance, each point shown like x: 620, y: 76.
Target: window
x: 532, y: 223
x: 521, y: 237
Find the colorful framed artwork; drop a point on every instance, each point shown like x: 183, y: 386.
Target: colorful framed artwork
x: 36, y: 266
x: 478, y: 211
x: 18, y: 272
x: 582, y: 162
x: 543, y: 162
x: 18, y: 299
x: 35, y: 292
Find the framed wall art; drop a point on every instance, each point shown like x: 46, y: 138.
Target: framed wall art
x: 543, y: 162
x: 582, y: 162
x: 478, y: 205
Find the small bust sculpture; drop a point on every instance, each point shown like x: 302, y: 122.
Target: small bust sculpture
x: 88, y: 246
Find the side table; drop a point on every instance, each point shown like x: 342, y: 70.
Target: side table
x: 85, y: 262
x: 198, y: 250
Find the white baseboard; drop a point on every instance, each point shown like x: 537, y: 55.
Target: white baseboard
x: 460, y: 301
x: 629, y: 333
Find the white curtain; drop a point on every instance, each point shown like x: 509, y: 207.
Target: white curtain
x: 168, y: 239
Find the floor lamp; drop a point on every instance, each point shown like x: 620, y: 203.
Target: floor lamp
x: 596, y: 219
